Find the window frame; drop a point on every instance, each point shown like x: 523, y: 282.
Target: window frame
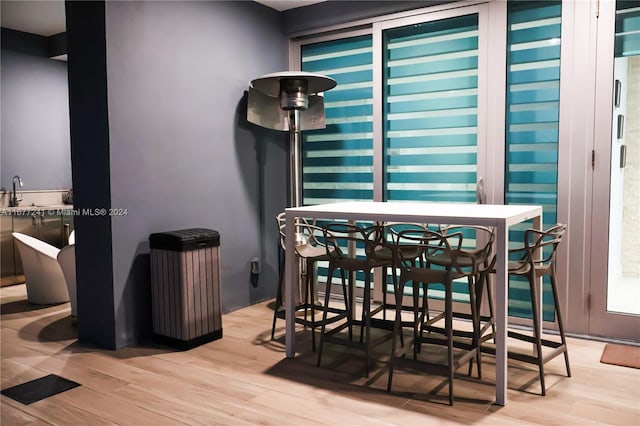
x: 492, y: 87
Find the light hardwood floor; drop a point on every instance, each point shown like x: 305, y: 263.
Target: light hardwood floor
x: 244, y: 378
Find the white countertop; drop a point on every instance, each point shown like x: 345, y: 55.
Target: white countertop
x: 27, y: 209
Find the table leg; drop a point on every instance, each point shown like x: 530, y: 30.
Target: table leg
x: 291, y: 275
x: 352, y: 275
x: 537, y: 224
x: 501, y: 308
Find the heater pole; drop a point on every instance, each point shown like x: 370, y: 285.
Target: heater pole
x: 295, y: 160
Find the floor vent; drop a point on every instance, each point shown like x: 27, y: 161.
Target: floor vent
x: 39, y: 389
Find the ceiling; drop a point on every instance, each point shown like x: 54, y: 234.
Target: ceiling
x: 281, y: 5
x: 47, y: 18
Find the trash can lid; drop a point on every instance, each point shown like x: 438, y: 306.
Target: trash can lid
x: 184, y: 239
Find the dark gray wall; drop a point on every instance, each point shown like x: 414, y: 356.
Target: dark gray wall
x: 34, y: 141
x: 181, y: 152
x: 333, y: 12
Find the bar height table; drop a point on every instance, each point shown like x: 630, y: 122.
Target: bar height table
x: 501, y: 217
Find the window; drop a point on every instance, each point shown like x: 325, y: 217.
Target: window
x: 430, y: 110
x: 338, y: 160
x: 433, y: 89
x: 533, y: 107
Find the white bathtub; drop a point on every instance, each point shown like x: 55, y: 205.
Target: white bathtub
x: 43, y: 276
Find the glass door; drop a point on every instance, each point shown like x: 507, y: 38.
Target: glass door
x: 615, y: 286
x: 624, y: 201
x: 433, y: 132
x: 624, y: 234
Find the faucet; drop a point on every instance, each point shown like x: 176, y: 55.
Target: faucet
x: 13, y: 202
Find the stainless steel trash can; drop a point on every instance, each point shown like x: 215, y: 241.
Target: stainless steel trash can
x: 185, y: 287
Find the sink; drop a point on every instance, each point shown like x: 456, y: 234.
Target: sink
x: 27, y: 207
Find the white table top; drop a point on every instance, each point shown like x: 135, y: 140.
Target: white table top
x: 449, y: 213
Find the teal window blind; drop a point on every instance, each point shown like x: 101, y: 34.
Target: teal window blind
x: 338, y: 160
x: 430, y: 116
x: 627, y: 28
x: 430, y: 110
x: 533, y: 102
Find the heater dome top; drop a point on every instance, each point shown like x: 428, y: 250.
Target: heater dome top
x: 269, y: 84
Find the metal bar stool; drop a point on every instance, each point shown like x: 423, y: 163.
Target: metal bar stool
x: 338, y: 238
x: 447, y: 251
x: 310, y: 249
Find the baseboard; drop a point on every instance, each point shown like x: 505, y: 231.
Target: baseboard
x: 187, y: 344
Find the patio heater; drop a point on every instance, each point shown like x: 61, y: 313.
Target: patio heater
x: 289, y: 101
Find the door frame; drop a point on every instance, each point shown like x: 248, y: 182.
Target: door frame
x: 601, y: 321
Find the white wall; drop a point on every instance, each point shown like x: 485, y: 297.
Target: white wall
x: 631, y: 209
x: 34, y: 142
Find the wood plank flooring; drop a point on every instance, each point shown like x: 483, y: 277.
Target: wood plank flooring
x: 244, y: 378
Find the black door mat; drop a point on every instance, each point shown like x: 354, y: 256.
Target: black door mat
x: 39, y: 389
